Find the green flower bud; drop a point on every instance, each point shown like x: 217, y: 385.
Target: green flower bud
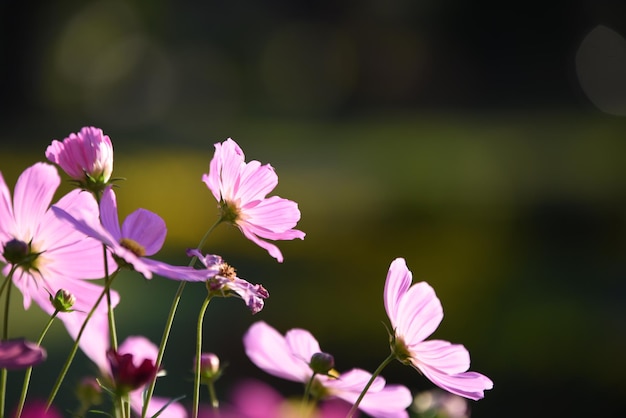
x: 63, y: 301
x: 322, y: 363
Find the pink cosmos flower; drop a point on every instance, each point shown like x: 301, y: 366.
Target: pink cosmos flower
x: 38, y: 409
x: 289, y: 357
x: 415, y: 313
x: 241, y: 189
x: 142, y: 234
x: 227, y: 283
x: 49, y: 254
x: 254, y: 399
x: 131, y: 362
x: 86, y: 157
x: 20, y: 354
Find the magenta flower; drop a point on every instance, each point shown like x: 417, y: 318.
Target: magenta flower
x: 142, y: 234
x: 47, y: 252
x: 289, y: 357
x: 226, y: 282
x: 415, y: 313
x: 133, y: 364
x: 86, y: 157
x: 255, y: 399
x: 20, y: 354
x: 38, y: 409
x: 241, y: 189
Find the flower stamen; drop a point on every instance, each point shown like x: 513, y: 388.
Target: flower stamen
x: 133, y: 246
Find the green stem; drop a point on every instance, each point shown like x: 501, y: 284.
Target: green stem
x: 214, y: 401
x: 29, y: 371
x: 380, y: 368
x: 5, y: 335
x: 196, y: 379
x: 112, y: 327
x: 307, y: 389
x: 70, y: 358
x: 170, y: 320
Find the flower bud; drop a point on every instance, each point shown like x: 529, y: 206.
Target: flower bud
x: 89, y: 391
x: 63, y: 301
x: 322, y: 363
x: 209, y: 367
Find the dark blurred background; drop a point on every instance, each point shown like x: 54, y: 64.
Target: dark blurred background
x: 483, y: 141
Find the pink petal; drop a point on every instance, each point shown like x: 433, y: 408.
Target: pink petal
x: 470, y: 385
x: 302, y: 344
x: 441, y: 355
x: 7, y: 222
x: 419, y: 313
x: 140, y: 347
x: 108, y: 214
x: 272, y: 249
x: 354, y: 381
x: 173, y: 410
x: 398, y: 281
x: 272, y: 217
x: 33, y: 194
x: 391, y: 402
x: 146, y: 228
x: 255, y: 182
x: 269, y: 351
x: 181, y: 273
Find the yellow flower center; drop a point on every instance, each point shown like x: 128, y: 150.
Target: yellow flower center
x: 133, y: 246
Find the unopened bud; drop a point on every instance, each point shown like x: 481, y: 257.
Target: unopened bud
x: 322, y: 363
x: 63, y: 301
x: 209, y: 367
x: 89, y: 391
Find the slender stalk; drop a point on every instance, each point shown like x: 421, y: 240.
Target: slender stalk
x: 70, y: 358
x: 380, y: 368
x: 170, y: 320
x: 112, y: 327
x: 196, y: 379
x: 214, y: 401
x: 5, y: 335
x: 307, y: 389
x: 29, y: 371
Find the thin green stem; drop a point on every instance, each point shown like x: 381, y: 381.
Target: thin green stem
x: 112, y: 327
x: 29, y: 371
x: 170, y: 321
x: 70, y: 358
x: 380, y: 368
x: 213, y: 396
x: 196, y: 379
x: 5, y: 334
x: 307, y: 389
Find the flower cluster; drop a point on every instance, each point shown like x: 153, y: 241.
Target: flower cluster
x: 65, y: 257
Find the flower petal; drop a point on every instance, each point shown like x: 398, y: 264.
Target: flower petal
x: 268, y: 350
x: 146, y: 228
x: 419, y: 313
x: 470, y: 385
x: 302, y: 344
x: 180, y: 273
x: 20, y: 353
x: 442, y: 355
x: 33, y: 194
x: 108, y: 213
x: 398, y: 281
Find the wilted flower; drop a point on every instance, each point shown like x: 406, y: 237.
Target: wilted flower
x: 86, y: 157
x: 289, y: 357
x: 415, y: 313
x: 20, y: 353
x: 241, y: 189
x: 226, y: 282
x: 142, y: 234
x: 54, y: 255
